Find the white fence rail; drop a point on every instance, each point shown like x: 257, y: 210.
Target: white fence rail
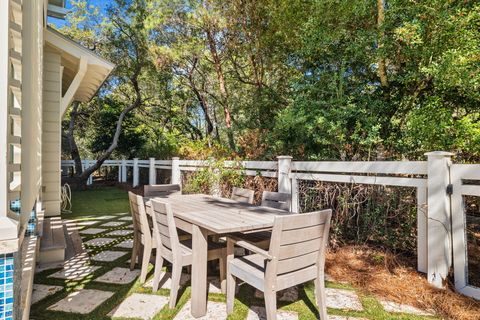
x: 427, y: 177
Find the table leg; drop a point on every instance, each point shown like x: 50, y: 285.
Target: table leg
x: 199, y: 271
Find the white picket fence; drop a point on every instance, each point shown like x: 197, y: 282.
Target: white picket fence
x: 430, y: 178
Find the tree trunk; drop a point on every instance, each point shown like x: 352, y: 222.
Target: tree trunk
x: 221, y: 82
x: 82, y: 179
x: 382, y: 68
x: 201, y: 98
x: 74, y: 153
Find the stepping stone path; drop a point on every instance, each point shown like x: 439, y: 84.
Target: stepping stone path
x: 143, y: 306
x: 41, y: 291
x: 126, y: 244
x: 167, y: 281
x: 119, y: 276
x: 126, y: 218
x: 258, y: 313
x: 343, y: 299
x: 83, y: 301
x: 90, y: 231
x: 112, y: 224
x: 215, y: 311
x: 98, y: 242
x: 74, y: 273
x: 395, y: 307
x: 120, y: 233
x: 108, y: 256
x: 106, y: 217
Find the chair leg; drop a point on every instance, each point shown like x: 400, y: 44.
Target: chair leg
x: 147, y: 252
x: 176, y: 275
x: 321, y: 297
x: 271, y: 304
x: 158, y: 271
x: 135, y: 249
x: 231, y: 287
x: 223, y: 270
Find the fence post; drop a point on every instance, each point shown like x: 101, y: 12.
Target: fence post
x: 124, y: 170
x: 439, y: 220
x: 284, y: 183
x: 176, y: 177
x: 152, y: 172
x: 120, y: 169
x: 90, y: 178
x: 135, y: 172
x: 422, y: 230
x: 295, y: 198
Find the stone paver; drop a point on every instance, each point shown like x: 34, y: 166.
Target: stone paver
x: 143, y: 306
x: 344, y: 318
x: 112, y: 224
x: 98, y: 242
x: 287, y: 295
x: 106, y: 217
x: 41, y: 291
x: 120, y: 233
x: 395, y: 307
x: 126, y: 244
x: 83, y: 301
x: 119, y: 276
x: 74, y: 272
x: 108, y: 256
x: 258, y: 313
x: 166, y: 281
x: 343, y: 299
x: 92, y: 231
x: 214, y: 285
x: 215, y: 311
x: 129, y: 218
x: 87, y: 222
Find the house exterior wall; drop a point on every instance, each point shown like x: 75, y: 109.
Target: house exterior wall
x: 51, y: 138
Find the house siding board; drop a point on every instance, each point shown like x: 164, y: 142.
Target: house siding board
x: 51, y: 147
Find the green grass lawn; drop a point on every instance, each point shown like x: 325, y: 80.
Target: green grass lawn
x: 94, y: 203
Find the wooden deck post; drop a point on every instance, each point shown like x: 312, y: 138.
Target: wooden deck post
x: 439, y: 218
x: 176, y: 175
x: 152, y: 172
x: 135, y: 172
x: 284, y: 181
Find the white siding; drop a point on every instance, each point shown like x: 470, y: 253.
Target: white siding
x: 51, y: 146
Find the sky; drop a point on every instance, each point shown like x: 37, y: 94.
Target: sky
x: 102, y: 4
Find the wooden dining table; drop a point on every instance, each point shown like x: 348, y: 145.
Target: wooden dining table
x: 203, y: 215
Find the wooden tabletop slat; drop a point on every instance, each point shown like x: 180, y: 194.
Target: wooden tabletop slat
x: 220, y: 215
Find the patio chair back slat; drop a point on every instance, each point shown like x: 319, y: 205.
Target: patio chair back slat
x: 277, y: 200
x: 161, y: 190
x: 243, y: 195
x: 164, y: 226
x: 301, y: 235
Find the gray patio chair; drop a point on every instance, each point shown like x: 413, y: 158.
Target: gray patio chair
x: 277, y: 200
x: 296, y: 255
x: 270, y: 199
x: 243, y: 195
x: 142, y: 236
x: 178, y: 253
x: 159, y: 190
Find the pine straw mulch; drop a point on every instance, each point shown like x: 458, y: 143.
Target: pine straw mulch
x: 394, y: 278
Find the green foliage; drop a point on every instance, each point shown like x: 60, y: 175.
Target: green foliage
x: 215, y: 179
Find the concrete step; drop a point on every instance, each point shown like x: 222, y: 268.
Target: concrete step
x: 53, y: 243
